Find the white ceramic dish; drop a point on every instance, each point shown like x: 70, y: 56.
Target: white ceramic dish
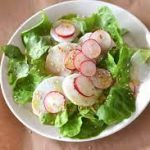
x: 139, y: 35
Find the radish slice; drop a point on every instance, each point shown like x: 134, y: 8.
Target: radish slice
x: 69, y: 59
x: 46, y: 86
x: 54, y: 102
x: 74, y: 96
x: 91, y: 49
x: 102, y: 79
x: 88, y: 68
x: 103, y: 38
x: 79, y: 58
x: 65, y: 29
x: 55, y: 59
x: 84, y: 86
x: 85, y: 37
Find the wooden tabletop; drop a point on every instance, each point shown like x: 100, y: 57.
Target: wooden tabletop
x: 14, y: 136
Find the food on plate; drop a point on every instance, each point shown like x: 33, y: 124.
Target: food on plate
x: 78, y: 73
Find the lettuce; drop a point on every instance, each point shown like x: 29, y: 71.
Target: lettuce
x: 72, y: 127
x: 47, y: 118
x: 69, y: 16
x: 81, y: 124
x: 61, y: 118
x: 120, y: 70
x: 102, y: 19
x: 17, y: 70
x: 119, y: 105
x: 35, y: 45
x: 122, y: 73
x: 12, y: 52
x: 35, y: 40
x: 25, y: 87
x: 42, y: 28
x: 107, y: 21
x: 90, y: 129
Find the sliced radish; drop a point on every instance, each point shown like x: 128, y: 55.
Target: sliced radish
x: 55, y: 59
x: 102, y: 79
x: 85, y: 37
x: 88, y: 68
x: 103, y: 38
x: 74, y: 96
x: 91, y: 48
x: 70, y: 58
x: 65, y: 29
x: 84, y: 86
x: 79, y: 58
x: 54, y: 102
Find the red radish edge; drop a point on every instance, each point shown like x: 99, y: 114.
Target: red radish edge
x: 77, y: 66
x: 87, y: 64
x: 50, y: 93
x: 72, y: 59
x: 78, y: 89
x: 85, y: 52
x: 64, y: 35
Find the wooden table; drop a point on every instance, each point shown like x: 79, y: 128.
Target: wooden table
x: 14, y: 136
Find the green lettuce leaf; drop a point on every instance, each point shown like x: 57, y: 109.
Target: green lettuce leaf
x: 107, y: 21
x: 88, y: 113
x: 61, y: 118
x: 120, y: 70
x: 90, y: 129
x: 17, y: 70
x: 42, y: 28
x: 119, y: 105
x: 47, y: 118
x: 12, y: 52
x: 111, y: 65
x: 71, y: 109
x: 35, y: 45
x: 122, y: 73
x: 69, y: 16
x: 72, y: 127
x: 25, y: 87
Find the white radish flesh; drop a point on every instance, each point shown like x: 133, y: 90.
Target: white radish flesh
x: 65, y: 29
x: 62, y: 39
x: 69, y: 64
x: 74, y: 96
x: 84, y: 86
x: 85, y: 37
x: 46, y: 86
x: 103, y: 38
x: 79, y: 58
x: 88, y: 68
x: 54, y: 102
x: 102, y: 79
x: 91, y: 48
x: 55, y: 58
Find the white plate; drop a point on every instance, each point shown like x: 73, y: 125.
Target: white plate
x: 139, y: 35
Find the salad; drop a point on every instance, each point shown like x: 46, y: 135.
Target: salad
x: 78, y: 73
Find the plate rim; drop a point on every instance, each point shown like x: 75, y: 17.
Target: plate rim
x: 3, y: 59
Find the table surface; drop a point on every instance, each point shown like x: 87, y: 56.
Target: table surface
x: 14, y: 136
